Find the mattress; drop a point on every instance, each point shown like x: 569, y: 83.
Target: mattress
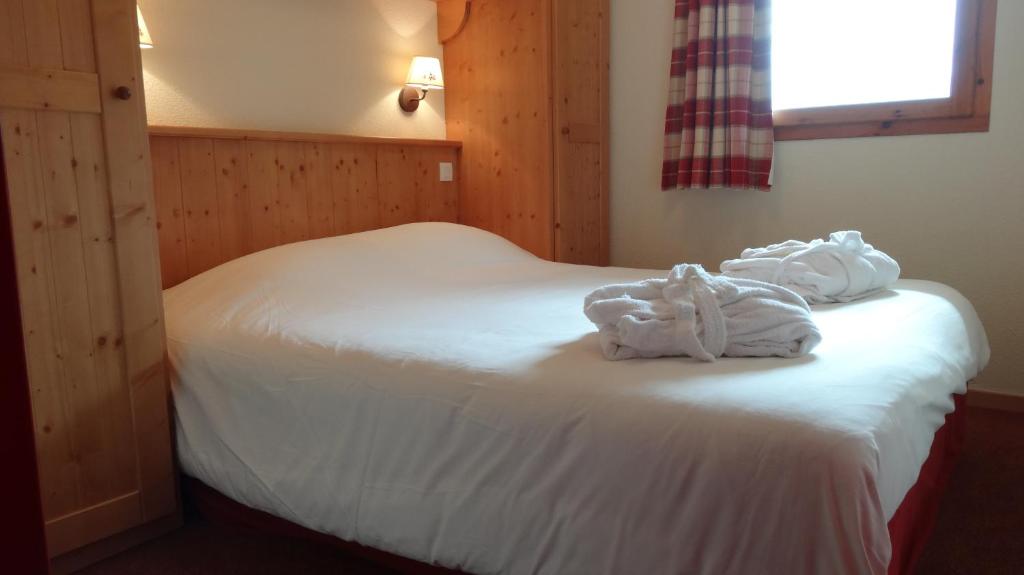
x: 433, y: 391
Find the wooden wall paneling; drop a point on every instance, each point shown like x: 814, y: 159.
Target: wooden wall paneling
x: 233, y: 198
x: 581, y: 96
x: 410, y: 187
x: 234, y: 192
x: 169, y: 210
x: 319, y: 199
x: 263, y: 202
x: 498, y: 102
x: 439, y: 201
x: 199, y: 199
x: 291, y: 192
x: 42, y: 34
x: 398, y: 185
x: 134, y: 217
x: 354, y: 188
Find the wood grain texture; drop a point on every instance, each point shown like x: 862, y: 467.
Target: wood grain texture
x: 85, y: 245
x: 130, y: 183
x: 232, y: 198
x: 38, y: 89
x: 535, y: 157
x: 238, y: 193
x: 504, y: 122
x: 199, y: 200
x: 451, y: 18
x: 354, y: 188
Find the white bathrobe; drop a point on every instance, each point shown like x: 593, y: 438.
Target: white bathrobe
x: 842, y: 269
x: 695, y: 314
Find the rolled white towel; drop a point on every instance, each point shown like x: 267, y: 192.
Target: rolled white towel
x: 695, y: 314
x: 842, y: 269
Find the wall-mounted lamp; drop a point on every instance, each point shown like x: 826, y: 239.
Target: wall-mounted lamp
x: 145, y: 40
x: 424, y: 75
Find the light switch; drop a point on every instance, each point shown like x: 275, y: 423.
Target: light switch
x: 447, y: 173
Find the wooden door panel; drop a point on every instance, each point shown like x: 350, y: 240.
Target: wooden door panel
x: 87, y: 268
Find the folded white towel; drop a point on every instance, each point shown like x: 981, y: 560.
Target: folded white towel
x: 699, y: 315
x: 842, y: 269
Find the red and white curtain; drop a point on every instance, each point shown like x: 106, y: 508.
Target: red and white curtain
x: 718, y: 128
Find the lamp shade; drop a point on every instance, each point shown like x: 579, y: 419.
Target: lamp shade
x: 145, y: 40
x: 425, y: 74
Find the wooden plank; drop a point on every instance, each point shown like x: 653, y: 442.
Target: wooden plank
x: 506, y: 182
x: 13, y: 43
x: 291, y: 192
x: 129, y: 173
x: 319, y: 200
x: 437, y: 201
x: 233, y: 198
x: 42, y: 34
x: 263, y: 203
x: 40, y: 89
x: 269, y: 136
x: 93, y: 523
x: 76, y: 36
x: 113, y: 459
x: 398, y: 185
x: 451, y: 18
x: 54, y: 438
x: 199, y: 199
x: 274, y: 192
x: 78, y: 385
x: 354, y: 188
x: 170, y: 212
x: 82, y: 557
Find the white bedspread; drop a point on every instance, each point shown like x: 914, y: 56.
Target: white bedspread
x: 433, y: 391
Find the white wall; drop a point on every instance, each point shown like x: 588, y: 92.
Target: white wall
x: 950, y: 208
x: 332, y: 66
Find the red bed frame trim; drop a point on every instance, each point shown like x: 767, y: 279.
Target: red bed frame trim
x: 909, y: 528
x: 912, y: 524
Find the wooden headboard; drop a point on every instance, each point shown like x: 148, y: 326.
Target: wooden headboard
x: 221, y: 194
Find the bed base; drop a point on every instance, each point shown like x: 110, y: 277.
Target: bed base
x: 909, y: 529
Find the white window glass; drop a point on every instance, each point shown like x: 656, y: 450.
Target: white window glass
x: 841, y: 52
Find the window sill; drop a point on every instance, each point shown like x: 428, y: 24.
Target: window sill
x: 906, y: 127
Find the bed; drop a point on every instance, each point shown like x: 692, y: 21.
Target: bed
x: 434, y: 392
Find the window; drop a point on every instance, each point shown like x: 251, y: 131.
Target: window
x: 880, y: 67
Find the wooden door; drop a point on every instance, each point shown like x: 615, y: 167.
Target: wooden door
x: 581, y: 51
x: 73, y: 127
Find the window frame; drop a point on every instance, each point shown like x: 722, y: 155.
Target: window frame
x: 966, y: 110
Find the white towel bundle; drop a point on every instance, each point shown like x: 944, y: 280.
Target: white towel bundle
x: 699, y: 315
x: 842, y: 269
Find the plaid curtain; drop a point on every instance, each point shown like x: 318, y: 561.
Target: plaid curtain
x: 718, y: 128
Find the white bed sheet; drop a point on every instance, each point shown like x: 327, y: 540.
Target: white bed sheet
x: 434, y: 391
